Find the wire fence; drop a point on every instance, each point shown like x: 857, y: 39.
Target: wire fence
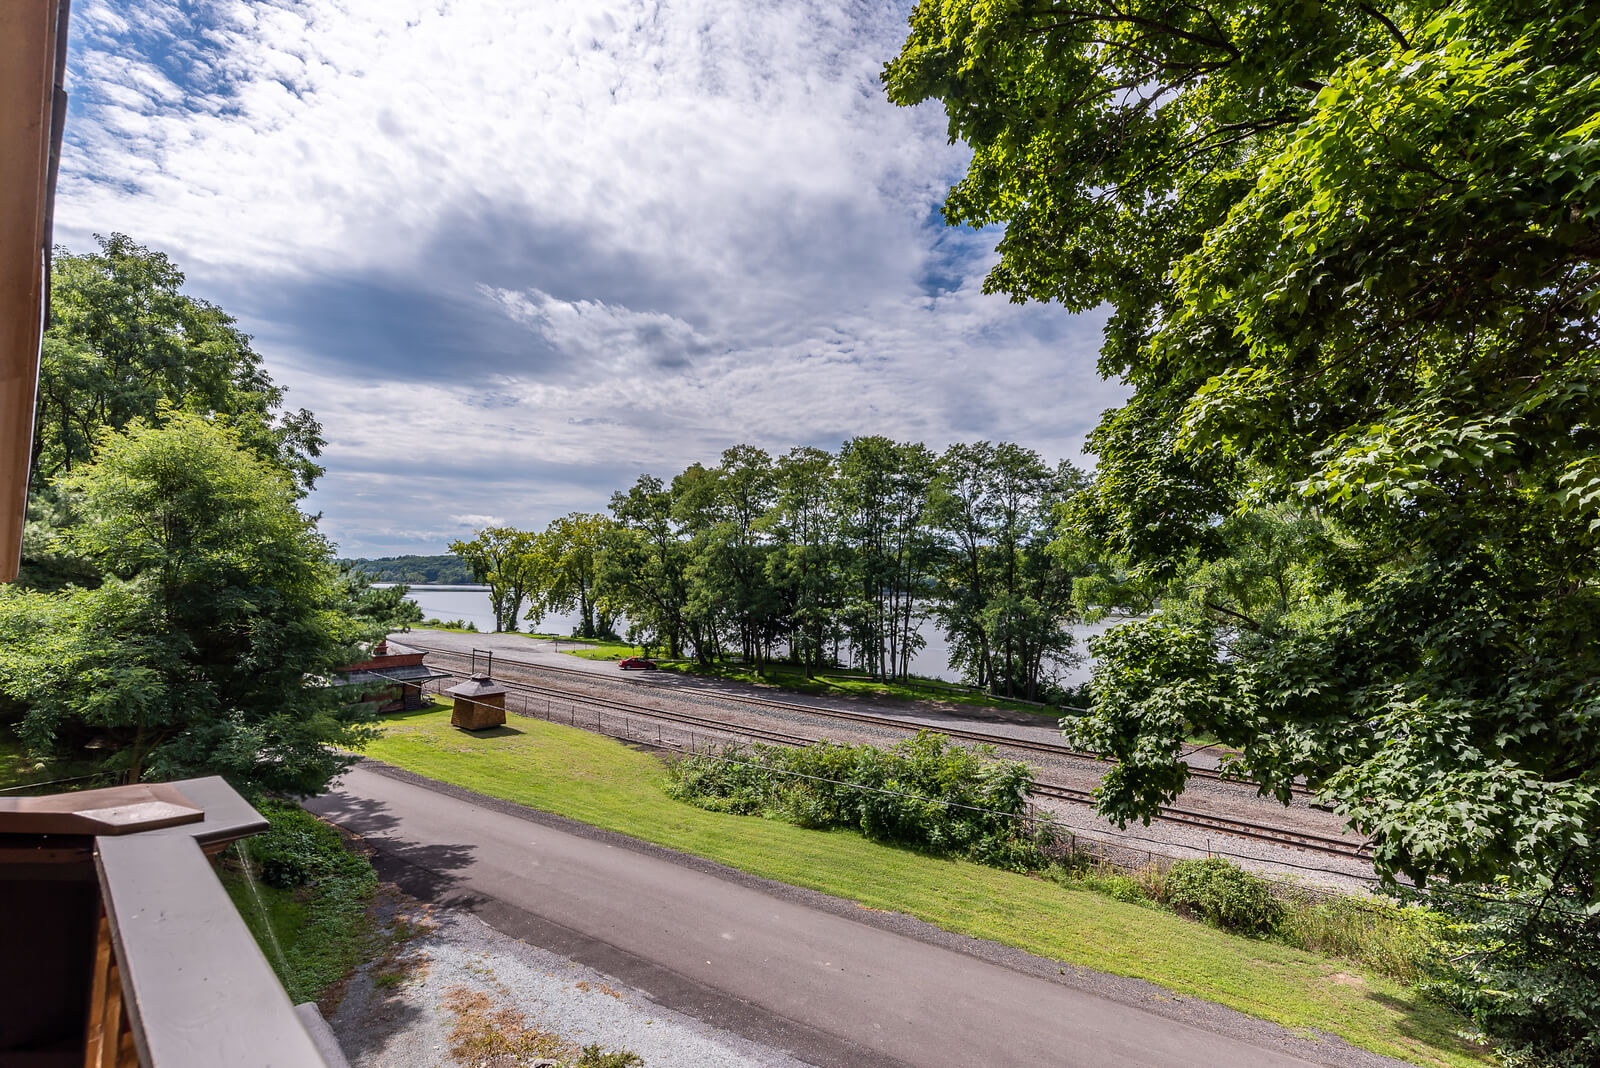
x: 1105, y: 847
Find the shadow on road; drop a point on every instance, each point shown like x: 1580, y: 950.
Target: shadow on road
x: 428, y: 872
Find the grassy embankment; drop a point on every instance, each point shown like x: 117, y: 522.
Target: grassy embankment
x: 601, y: 782
x: 838, y: 682
x: 314, y: 925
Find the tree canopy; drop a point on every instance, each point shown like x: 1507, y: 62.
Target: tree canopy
x: 207, y: 645
x: 564, y: 560
x: 124, y: 343
x: 826, y: 559
x: 501, y: 557
x: 1351, y: 256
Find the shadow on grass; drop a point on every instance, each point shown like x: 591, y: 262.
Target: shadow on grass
x: 413, y: 713
x: 491, y: 732
x: 1427, y: 1020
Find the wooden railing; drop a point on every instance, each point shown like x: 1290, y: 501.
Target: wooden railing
x: 121, y: 948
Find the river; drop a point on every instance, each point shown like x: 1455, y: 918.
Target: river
x: 471, y: 604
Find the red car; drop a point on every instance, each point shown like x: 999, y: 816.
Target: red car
x: 637, y: 663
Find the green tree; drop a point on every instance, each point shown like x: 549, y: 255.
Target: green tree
x: 803, y: 565
x: 387, y: 608
x: 644, y: 563
x: 1003, y: 595
x: 959, y: 507
x: 564, y: 565
x: 723, y: 510
x: 501, y: 557
x: 124, y: 343
x: 208, y: 644
x: 1352, y: 255
x: 887, y: 548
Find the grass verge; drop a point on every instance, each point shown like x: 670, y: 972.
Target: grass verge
x: 835, y: 682
x: 305, y: 899
x: 600, y: 781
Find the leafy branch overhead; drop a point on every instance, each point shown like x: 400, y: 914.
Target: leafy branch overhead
x: 1351, y: 253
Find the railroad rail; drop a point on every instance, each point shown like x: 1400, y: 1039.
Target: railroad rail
x: 1031, y: 745
x: 1281, y: 836
x: 1320, y: 843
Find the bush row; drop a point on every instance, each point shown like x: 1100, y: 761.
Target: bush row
x: 1395, y: 939
x: 1523, y: 968
x: 930, y: 795
x: 923, y: 793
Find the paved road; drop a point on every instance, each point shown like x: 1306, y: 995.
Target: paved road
x: 782, y: 966
x: 514, y: 646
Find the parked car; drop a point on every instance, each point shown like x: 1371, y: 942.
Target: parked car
x: 637, y: 663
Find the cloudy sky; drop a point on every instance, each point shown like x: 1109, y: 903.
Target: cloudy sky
x: 513, y: 253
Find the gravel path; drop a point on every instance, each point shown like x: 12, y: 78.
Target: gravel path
x: 397, y: 1013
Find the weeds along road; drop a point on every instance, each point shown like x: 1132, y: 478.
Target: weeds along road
x: 567, y: 681
x: 788, y: 968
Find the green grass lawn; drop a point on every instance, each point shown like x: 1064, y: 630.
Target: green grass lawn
x: 837, y: 681
x: 602, y: 782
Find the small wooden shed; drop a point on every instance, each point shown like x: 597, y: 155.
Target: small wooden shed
x: 480, y: 703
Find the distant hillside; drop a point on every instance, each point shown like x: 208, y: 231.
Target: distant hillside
x: 448, y: 570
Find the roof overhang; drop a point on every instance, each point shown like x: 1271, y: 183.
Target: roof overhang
x: 33, y: 109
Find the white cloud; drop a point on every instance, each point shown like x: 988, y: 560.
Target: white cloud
x: 514, y: 254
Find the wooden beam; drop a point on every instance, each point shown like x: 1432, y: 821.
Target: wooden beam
x: 28, y: 112
x: 196, y: 989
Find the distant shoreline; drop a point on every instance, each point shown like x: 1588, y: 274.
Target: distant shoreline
x: 432, y: 586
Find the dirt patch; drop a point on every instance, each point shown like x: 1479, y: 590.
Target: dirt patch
x: 489, y: 1035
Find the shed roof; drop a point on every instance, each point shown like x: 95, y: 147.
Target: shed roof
x: 477, y: 686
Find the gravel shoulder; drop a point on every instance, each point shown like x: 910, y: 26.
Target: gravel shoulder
x: 403, y: 1011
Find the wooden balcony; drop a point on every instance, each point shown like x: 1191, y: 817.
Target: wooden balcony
x: 121, y: 947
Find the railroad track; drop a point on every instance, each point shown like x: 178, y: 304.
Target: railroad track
x: 1305, y: 840
x: 1031, y: 745
x: 1320, y: 843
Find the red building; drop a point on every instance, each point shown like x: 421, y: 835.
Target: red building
x: 393, y: 676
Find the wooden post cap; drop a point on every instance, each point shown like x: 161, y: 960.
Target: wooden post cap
x: 113, y: 810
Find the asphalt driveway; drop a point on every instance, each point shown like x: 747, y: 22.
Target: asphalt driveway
x: 821, y: 978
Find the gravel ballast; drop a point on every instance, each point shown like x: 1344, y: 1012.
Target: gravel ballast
x: 395, y: 1012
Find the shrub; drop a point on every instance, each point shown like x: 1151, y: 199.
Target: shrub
x: 1220, y: 892
x: 1145, y: 885
x: 311, y: 917
x: 298, y: 848
x: 922, y: 792
x: 1524, y: 967
x: 1397, y: 940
